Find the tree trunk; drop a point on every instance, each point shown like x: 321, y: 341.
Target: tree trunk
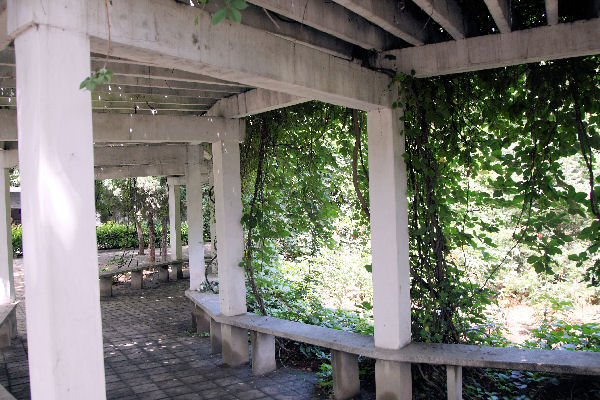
x: 163, y: 236
x: 140, y: 235
x: 151, y: 238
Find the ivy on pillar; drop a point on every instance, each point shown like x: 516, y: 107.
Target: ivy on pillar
x: 194, y: 215
x: 56, y: 159
x: 389, y: 244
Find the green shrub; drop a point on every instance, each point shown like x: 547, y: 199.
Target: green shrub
x: 17, y: 240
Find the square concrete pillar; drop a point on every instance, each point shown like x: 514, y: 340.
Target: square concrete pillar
x: 215, y: 337
x: 163, y: 274
x: 393, y: 380
x: 454, y: 382
x: 228, y: 211
x: 234, y: 342
x: 200, y: 320
x: 106, y: 286
x: 346, y: 383
x: 194, y: 215
x: 175, y: 226
x: 137, y: 277
x: 389, y: 246
x: 7, y: 284
x: 56, y: 162
x: 263, y: 353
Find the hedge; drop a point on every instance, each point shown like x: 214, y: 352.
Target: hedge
x: 110, y: 235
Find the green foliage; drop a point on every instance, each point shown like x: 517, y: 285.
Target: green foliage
x: 97, y: 78
x: 17, y: 240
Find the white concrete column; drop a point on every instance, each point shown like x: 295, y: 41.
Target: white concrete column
x: 194, y: 216
x: 7, y: 284
x: 389, y: 245
x: 54, y: 117
x: 228, y: 210
x: 175, y: 220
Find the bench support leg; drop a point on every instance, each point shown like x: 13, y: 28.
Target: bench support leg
x: 215, y: 337
x: 8, y: 330
x: 454, y: 381
x: 393, y: 380
x: 136, y: 279
x: 106, y: 286
x: 346, y: 384
x: 173, y: 273
x: 263, y: 353
x: 234, y: 343
x: 200, y: 320
x: 163, y: 274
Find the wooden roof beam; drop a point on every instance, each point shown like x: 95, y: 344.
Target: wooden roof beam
x: 332, y: 19
x: 574, y: 39
x: 388, y: 15
x: 500, y: 11
x: 447, y: 13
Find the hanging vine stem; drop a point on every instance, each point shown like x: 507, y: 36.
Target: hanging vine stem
x: 357, y: 133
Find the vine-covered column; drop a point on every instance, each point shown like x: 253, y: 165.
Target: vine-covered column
x: 389, y: 244
x: 194, y: 181
x: 7, y: 283
x: 56, y: 159
x: 230, y: 251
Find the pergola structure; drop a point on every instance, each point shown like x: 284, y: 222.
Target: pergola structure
x: 180, y: 81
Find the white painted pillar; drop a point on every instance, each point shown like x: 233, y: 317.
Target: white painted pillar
x: 7, y: 283
x: 175, y: 220
x: 389, y: 244
x: 194, y: 216
x: 54, y: 117
x: 228, y: 210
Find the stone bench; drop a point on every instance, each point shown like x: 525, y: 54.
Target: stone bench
x: 137, y: 274
x: 347, y: 346
x: 5, y: 395
x: 8, y: 323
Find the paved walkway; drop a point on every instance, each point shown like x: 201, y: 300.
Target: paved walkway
x: 149, y: 353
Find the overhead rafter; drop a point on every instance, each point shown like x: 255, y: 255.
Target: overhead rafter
x: 552, y: 11
x: 330, y: 18
x: 388, y: 15
x: 253, y: 102
x: 133, y: 171
x: 574, y: 39
x: 447, y: 13
x: 500, y: 11
x: 136, y: 128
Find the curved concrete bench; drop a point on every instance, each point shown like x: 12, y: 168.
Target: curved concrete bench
x: 106, y: 277
x: 8, y: 323
x: 5, y: 395
x: 347, y: 346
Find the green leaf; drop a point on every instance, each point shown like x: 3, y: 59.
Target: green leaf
x: 196, y: 20
x: 239, y: 4
x: 235, y: 15
x: 219, y: 16
x: 369, y: 267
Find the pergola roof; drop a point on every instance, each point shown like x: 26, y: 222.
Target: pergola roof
x: 431, y: 37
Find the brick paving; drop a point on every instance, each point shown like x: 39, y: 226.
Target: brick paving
x: 149, y: 353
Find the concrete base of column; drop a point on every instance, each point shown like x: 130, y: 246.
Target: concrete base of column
x: 263, y: 353
x: 346, y: 384
x: 163, y: 274
x: 106, y: 286
x: 234, y: 342
x: 215, y: 337
x: 200, y: 321
x: 8, y: 330
x: 393, y: 380
x: 136, y: 279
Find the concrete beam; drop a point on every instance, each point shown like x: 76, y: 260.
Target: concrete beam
x: 552, y: 11
x: 277, y: 64
x: 114, y: 128
x: 574, y: 39
x: 132, y: 171
x: 253, y: 102
x: 179, y: 180
x: 330, y: 18
x: 4, y: 39
x: 139, y: 154
x: 447, y: 13
x: 500, y: 11
x: 388, y: 15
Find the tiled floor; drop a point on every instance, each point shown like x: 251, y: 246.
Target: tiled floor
x: 150, y: 354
